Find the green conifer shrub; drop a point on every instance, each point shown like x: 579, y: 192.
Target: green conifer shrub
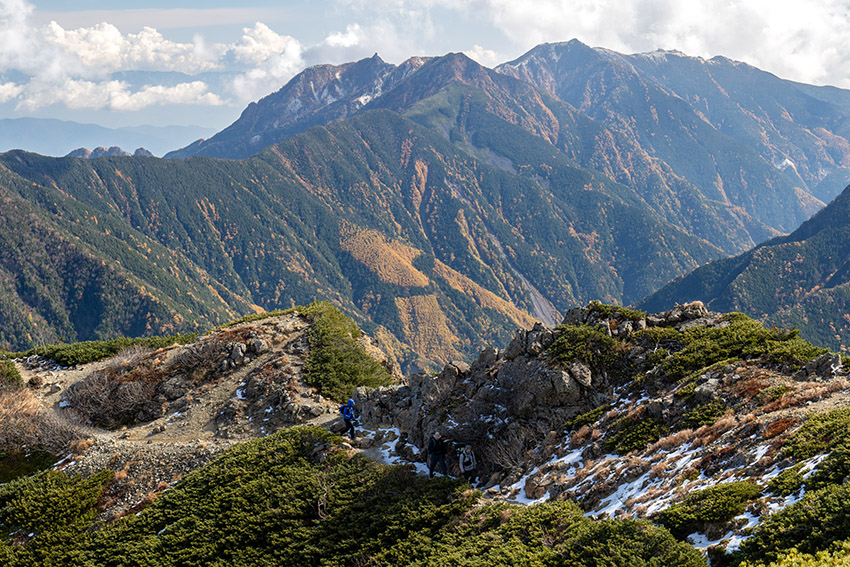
x: 715, y: 504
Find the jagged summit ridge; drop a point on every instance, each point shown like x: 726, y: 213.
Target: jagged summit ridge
x: 316, y: 96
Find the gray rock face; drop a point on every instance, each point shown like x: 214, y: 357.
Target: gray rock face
x: 499, y: 404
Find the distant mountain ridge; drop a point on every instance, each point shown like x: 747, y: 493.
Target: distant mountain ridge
x: 317, y: 96
x: 52, y: 137
x: 100, y: 151
x: 801, y: 280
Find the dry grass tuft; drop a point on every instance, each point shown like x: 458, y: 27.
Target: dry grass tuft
x: 708, y: 434
x: 25, y: 422
x: 672, y: 441
x: 581, y: 436
x: 779, y: 426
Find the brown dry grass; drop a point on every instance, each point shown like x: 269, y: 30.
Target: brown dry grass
x: 779, y: 426
x: 750, y: 389
x: 580, y: 437
x: 708, y: 434
x: 672, y: 441
x: 808, y: 391
x: 25, y: 422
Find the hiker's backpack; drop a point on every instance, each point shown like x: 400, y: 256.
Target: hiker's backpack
x: 346, y: 411
x: 466, y: 460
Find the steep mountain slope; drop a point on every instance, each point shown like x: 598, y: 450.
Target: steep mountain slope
x: 727, y: 128
x: 802, y: 279
x: 393, y: 223
x: 68, y: 272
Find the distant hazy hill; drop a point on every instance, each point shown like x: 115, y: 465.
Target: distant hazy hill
x: 58, y: 137
x: 802, y: 279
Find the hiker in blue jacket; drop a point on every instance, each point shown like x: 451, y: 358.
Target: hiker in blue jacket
x: 349, y: 415
x: 436, y: 454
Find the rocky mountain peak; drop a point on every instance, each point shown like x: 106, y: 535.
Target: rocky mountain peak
x: 112, y: 151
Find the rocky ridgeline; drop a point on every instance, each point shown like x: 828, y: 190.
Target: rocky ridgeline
x: 506, y: 394
x: 620, y: 429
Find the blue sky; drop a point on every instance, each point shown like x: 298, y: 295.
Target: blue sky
x: 122, y: 62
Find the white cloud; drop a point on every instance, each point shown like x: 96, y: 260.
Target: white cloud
x: 9, y: 91
x: 391, y: 40
x: 486, y: 57
x: 272, y: 60
x: 350, y: 38
x: 105, y: 48
x: 114, y: 95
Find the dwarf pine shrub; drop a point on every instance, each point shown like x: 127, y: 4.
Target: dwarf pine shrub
x: 9, y: 375
x: 719, y: 503
x: 91, y: 351
x: 788, y: 482
x: 819, y: 433
x: 338, y: 363
x: 587, y: 418
x: 297, y: 498
x: 741, y: 338
x: 820, y: 519
x: 835, y: 469
x: 705, y: 414
x: 587, y: 344
x: 635, y: 434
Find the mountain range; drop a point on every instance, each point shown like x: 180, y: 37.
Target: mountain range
x: 51, y: 137
x: 438, y: 202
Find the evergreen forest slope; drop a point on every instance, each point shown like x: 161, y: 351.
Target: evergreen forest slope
x: 427, y: 246
x: 798, y: 280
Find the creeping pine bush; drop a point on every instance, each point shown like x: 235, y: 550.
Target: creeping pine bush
x: 716, y: 504
x: 553, y: 533
x: 840, y: 557
x: 297, y: 498
x: 741, y: 338
x: 90, y: 351
x: 338, y: 363
x: 835, y: 469
x: 705, y: 414
x: 588, y: 344
x: 820, y: 519
x: 819, y: 433
x: 635, y: 434
x: 10, y: 378
x: 609, y: 311
x: 587, y: 418
x: 788, y: 482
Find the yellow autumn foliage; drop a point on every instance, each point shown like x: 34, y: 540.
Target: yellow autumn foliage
x: 392, y: 262
x: 426, y: 328
x: 482, y: 296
